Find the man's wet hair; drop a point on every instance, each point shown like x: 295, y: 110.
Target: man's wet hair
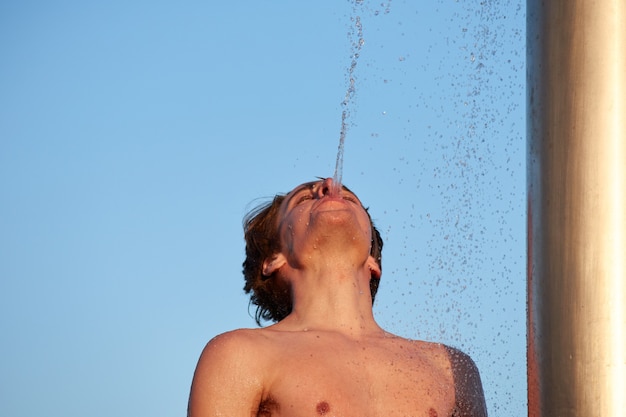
x: 272, y: 296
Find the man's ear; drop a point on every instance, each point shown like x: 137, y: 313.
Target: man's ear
x: 271, y: 265
x: 373, y: 267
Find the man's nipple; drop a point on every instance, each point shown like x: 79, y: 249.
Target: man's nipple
x: 322, y: 408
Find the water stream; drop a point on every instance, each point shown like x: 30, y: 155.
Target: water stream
x: 356, y: 36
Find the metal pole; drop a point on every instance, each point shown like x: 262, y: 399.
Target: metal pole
x: 576, y: 208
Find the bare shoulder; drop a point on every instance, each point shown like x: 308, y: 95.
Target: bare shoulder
x: 234, y: 344
x: 435, y: 353
x: 461, y: 361
x: 232, y: 351
x: 453, y: 365
x: 229, y: 377
x: 470, y: 398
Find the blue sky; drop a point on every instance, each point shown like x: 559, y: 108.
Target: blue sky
x: 134, y: 137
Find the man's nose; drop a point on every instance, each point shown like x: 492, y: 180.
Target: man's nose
x: 325, y: 188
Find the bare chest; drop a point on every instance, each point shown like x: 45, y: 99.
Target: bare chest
x: 363, y: 381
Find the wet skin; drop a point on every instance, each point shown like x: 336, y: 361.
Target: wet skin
x: 311, y: 373
x: 329, y: 357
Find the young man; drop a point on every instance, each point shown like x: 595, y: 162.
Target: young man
x: 313, y: 265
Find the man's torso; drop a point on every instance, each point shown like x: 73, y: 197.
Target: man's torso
x: 317, y: 373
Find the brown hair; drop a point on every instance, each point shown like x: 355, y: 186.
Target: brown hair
x: 272, y: 296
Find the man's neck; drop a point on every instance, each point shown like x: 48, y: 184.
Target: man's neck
x: 332, y: 299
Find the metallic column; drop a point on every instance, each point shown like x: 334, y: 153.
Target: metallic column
x: 577, y: 208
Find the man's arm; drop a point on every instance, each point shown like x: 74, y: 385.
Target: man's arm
x: 470, y: 399
x: 227, y: 380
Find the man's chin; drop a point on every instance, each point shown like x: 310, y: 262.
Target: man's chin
x: 340, y: 225
x: 333, y: 214
x: 335, y: 218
